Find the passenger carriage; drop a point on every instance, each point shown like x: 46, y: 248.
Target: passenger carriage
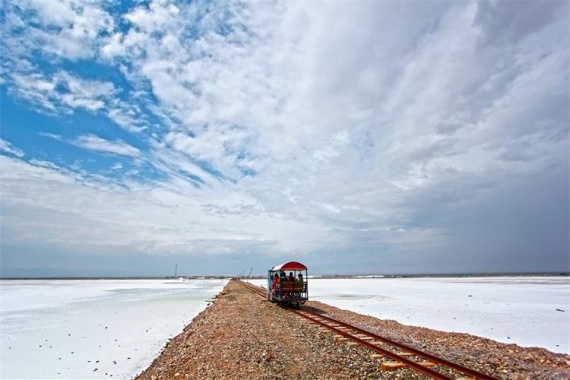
x: 287, y: 284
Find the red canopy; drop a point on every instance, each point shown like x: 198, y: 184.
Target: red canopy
x: 291, y: 265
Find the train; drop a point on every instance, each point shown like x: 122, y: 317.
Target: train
x: 287, y: 284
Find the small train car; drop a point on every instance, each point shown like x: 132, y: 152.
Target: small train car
x: 288, y: 284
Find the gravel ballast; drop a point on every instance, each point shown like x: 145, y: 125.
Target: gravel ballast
x: 242, y: 336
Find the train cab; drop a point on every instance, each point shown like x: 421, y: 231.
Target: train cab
x: 288, y: 284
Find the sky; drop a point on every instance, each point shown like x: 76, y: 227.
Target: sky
x: 227, y: 137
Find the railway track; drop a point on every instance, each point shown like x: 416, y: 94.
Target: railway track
x: 402, y: 355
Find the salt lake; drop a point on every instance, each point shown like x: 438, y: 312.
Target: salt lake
x: 93, y: 329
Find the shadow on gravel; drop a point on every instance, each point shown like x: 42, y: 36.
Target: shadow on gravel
x: 313, y: 310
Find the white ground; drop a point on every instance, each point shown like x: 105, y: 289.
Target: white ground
x: 528, y: 311
x: 92, y: 329
x: 114, y: 329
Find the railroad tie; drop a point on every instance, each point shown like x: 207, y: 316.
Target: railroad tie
x: 340, y: 338
x: 390, y: 366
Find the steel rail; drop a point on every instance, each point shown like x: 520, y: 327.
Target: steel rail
x: 410, y: 363
x: 307, y: 314
x: 416, y: 352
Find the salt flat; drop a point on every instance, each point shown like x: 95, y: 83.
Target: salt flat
x: 528, y: 311
x: 93, y: 329
x: 114, y: 329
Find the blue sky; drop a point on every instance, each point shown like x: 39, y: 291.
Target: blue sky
x: 368, y: 137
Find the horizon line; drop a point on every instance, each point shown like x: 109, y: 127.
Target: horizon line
x: 372, y: 275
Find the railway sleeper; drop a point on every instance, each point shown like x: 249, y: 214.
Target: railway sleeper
x: 340, y: 338
x: 390, y: 366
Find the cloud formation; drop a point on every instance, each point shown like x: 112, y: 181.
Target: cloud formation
x: 96, y: 143
x: 377, y: 137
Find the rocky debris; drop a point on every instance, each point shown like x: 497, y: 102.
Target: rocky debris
x: 242, y: 336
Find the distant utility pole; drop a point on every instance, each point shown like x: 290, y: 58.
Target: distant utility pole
x: 175, y: 269
x: 249, y: 275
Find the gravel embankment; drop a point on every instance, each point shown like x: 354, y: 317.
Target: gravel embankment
x: 241, y: 336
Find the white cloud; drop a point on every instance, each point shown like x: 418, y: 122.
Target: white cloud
x: 6, y: 147
x: 35, y: 89
x: 98, y: 144
x: 67, y: 29
x: 80, y: 93
x: 127, y: 119
x: 312, y: 126
x: 153, y: 219
x: 63, y: 91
